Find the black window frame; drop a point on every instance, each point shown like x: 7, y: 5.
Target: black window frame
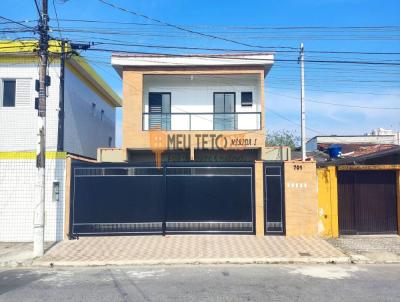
x: 165, y: 116
x: 234, y: 110
x: 246, y: 103
x: 3, y: 90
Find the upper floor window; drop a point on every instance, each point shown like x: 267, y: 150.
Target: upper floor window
x: 224, y: 111
x: 159, y: 110
x: 8, y: 93
x: 247, y: 98
x: 110, y: 141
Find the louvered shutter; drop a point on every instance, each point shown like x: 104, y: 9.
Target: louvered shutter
x: 23, y: 93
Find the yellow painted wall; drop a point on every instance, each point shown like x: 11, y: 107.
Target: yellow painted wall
x: 328, y: 224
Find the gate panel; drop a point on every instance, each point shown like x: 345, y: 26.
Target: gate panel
x: 126, y: 199
x: 346, y: 203
x: 367, y: 202
x: 375, y: 207
x: 210, y: 199
x: 117, y: 200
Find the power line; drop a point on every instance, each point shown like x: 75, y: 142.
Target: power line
x: 19, y: 23
x: 180, y: 27
x: 37, y: 7
x: 58, y: 22
x: 124, y: 43
x: 337, y: 104
x: 246, y: 36
x: 289, y: 120
x: 254, y: 59
x: 382, y: 27
x: 273, y: 85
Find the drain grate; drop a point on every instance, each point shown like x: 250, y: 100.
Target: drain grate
x: 305, y: 254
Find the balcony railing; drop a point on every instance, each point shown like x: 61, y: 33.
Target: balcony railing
x: 202, y: 121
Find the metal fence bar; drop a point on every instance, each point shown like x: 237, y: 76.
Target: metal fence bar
x: 226, y: 121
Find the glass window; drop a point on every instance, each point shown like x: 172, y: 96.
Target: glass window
x: 247, y: 98
x: 219, y: 103
x: 56, y: 191
x: 159, y: 110
x: 224, y: 111
x: 9, y: 93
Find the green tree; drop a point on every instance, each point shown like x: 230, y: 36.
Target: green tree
x: 282, y: 138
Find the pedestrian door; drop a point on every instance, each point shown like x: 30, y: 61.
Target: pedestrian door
x: 274, y: 198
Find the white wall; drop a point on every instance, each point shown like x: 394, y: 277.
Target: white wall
x: 312, y: 145
x: 84, y: 131
x: 195, y: 94
x: 18, y: 125
x: 18, y: 132
x: 17, y: 193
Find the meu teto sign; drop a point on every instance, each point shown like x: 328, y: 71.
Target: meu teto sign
x: 161, y: 141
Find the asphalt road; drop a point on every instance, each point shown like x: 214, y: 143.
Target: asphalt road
x: 204, y: 283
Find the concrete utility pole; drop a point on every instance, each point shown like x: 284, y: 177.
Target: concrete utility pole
x: 303, y: 109
x: 39, y: 208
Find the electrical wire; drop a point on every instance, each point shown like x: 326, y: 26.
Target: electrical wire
x: 180, y: 27
x: 19, y: 23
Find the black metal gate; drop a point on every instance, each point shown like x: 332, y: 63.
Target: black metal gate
x: 274, y: 198
x: 176, y: 198
x: 367, y: 202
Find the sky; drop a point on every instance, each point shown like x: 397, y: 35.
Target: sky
x: 341, y: 98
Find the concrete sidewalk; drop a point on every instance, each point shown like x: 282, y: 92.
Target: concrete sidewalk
x: 190, y: 249
x: 369, y: 248
x: 13, y: 254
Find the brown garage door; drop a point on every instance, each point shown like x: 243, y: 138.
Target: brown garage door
x: 367, y: 202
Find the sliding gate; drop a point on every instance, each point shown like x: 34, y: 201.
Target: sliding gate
x: 176, y: 198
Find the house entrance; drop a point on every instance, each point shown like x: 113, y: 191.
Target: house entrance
x: 176, y: 198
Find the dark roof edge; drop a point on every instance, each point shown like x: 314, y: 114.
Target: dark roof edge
x: 353, y: 160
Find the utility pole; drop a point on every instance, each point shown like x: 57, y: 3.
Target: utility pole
x: 39, y: 208
x: 303, y: 109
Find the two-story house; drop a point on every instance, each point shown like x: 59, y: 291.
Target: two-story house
x: 193, y: 155
x: 80, y: 118
x: 206, y: 105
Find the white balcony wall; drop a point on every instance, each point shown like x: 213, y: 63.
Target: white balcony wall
x: 195, y: 94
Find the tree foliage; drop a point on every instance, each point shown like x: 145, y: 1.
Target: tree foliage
x: 282, y: 138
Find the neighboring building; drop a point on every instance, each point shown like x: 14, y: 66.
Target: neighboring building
x: 375, y: 138
x: 360, y: 193
x: 204, y: 104
x: 79, y: 120
x: 382, y: 131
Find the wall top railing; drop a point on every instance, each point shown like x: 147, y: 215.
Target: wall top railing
x: 202, y: 121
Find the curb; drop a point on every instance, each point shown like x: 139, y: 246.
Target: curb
x: 333, y: 260
x: 13, y: 263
